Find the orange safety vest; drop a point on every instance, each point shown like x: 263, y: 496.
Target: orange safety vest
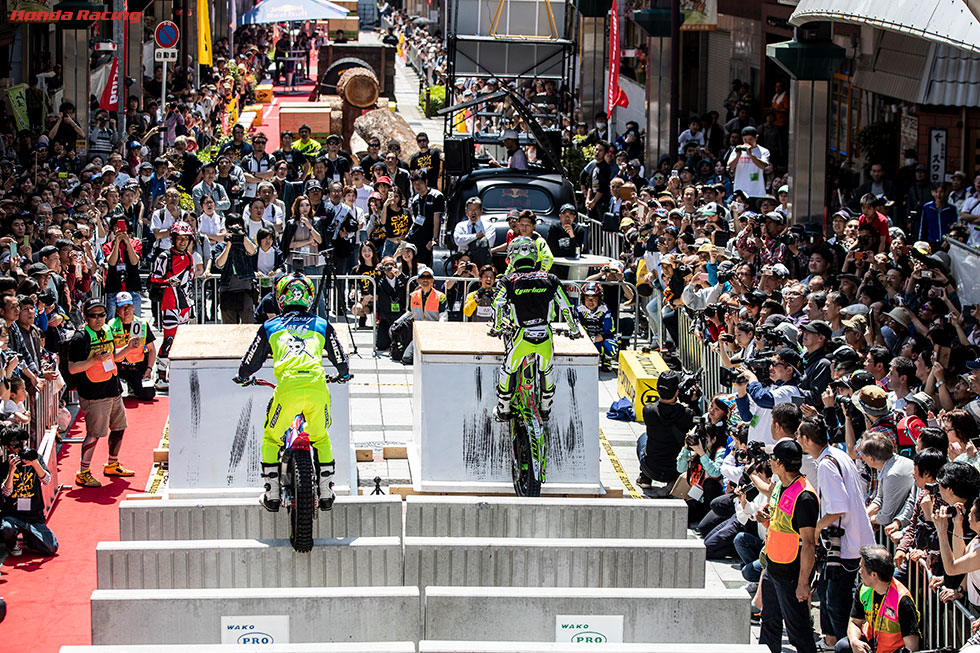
x: 883, y: 625
x: 121, y: 337
x: 782, y: 541
x: 100, y: 342
x: 428, y: 312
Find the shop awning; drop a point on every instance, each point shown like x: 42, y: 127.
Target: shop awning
x: 282, y: 11
x: 912, y: 69
x: 948, y: 22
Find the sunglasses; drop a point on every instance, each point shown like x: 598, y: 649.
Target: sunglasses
x: 96, y: 316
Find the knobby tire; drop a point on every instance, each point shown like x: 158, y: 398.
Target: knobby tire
x: 301, y: 515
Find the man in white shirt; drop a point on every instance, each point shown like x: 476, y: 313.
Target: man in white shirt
x: 275, y: 210
x: 748, y: 164
x: 473, y: 236
x: 901, y: 373
x: 692, y: 134
x: 164, y: 218
x: 363, y: 191
x: 841, y: 497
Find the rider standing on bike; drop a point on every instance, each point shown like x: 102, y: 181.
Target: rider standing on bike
x: 527, y: 300
x: 296, y: 339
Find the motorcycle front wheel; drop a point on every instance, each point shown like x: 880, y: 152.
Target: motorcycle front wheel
x: 300, y: 470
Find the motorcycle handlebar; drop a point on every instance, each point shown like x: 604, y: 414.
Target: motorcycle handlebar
x: 256, y: 381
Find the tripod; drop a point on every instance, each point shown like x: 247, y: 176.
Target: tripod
x: 328, y: 280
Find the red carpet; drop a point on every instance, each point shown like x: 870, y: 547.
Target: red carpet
x: 48, y: 598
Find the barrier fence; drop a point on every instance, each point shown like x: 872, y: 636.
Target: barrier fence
x: 696, y: 354
x: 44, y: 412
x: 601, y: 242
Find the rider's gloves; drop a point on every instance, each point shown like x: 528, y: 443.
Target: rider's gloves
x: 242, y: 382
x: 343, y: 375
x: 575, y: 335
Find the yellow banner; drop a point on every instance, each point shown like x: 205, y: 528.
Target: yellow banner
x: 203, y: 34
x: 18, y: 105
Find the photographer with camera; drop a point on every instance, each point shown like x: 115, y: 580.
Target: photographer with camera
x: 235, y: 261
x: 478, y: 306
x: 667, y: 423
x: 755, y: 402
x: 390, y: 304
x: 919, y: 538
x: 701, y: 458
x: 842, y: 529
x: 22, y: 504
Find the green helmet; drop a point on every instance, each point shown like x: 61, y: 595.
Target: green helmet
x: 295, y: 290
x: 522, y: 252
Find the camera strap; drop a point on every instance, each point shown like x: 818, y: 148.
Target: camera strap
x: 839, y: 471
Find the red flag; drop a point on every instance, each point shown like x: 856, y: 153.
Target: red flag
x: 616, y: 96
x: 109, y: 100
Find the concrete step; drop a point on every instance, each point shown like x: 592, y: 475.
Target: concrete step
x: 244, y: 518
x: 357, y: 647
x: 488, y: 614
x: 553, y: 562
x: 323, y: 614
x: 203, y: 564
x: 435, y: 516
x: 427, y: 646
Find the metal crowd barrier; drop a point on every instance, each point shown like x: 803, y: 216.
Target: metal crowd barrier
x: 944, y: 623
x: 207, y: 308
x: 574, y: 287
x: 44, y: 413
x: 602, y: 243
x: 696, y: 354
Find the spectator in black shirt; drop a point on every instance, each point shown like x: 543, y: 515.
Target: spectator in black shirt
x: 368, y: 160
x: 427, y: 159
x: 667, y: 422
x: 427, y: 208
x: 816, y: 363
x: 22, y: 503
x: 566, y: 238
x: 597, y: 200
x: 294, y: 160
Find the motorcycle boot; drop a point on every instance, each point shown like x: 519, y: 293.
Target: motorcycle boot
x: 272, y: 497
x: 502, y: 411
x: 325, y: 472
x: 547, y: 394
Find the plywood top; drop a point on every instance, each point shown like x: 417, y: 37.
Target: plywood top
x: 223, y: 341
x: 470, y: 338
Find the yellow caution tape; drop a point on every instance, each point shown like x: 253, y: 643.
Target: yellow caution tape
x: 618, y: 467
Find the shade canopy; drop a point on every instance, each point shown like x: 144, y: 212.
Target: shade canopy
x: 283, y: 11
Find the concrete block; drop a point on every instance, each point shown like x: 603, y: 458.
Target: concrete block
x: 244, y: 518
x: 199, y: 564
x: 553, y: 562
x: 356, y: 647
x: 485, y: 614
x: 435, y: 516
x: 426, y: 646
x: 323, y: 614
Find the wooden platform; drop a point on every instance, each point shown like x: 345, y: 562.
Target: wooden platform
x: 221, y: 341
x: 471, y: 338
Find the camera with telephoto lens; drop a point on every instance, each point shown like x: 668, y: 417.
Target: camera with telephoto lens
x: 753, y: 454
x: 27, y: 454
x: 726, y: 274
x: 716, y: 310
x: 688, y: 390
x: 698, y: 436
x: 237, y: 234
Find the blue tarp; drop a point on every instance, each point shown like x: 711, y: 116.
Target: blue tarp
x: 282, y: 11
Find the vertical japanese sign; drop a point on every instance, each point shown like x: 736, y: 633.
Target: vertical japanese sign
x: 937, y: 155
x: 204, y: 33
x: 616, y: 96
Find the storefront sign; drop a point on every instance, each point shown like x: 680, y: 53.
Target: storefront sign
x: 587, y: 630
x: 699, y: 15
x: 262, y: 630
x: 937, y: 155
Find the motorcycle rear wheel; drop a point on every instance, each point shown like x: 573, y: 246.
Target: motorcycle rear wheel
x: 303, y: 476
x: 525, y: 484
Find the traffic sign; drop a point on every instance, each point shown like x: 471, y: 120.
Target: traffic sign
x: 165, y: 54
x: 166, y: 34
